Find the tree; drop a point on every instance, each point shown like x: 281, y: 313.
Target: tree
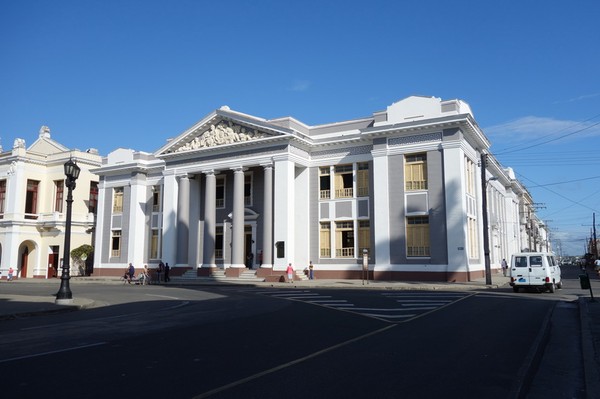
x: 80, y: 255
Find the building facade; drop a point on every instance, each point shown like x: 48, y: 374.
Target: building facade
x: 33, y: 206
x: 402, y: 187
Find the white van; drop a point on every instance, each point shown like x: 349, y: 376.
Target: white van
x: 535, y: 269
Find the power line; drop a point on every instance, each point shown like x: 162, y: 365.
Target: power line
x: 554, y: 139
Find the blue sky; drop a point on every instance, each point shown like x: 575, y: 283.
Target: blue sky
x: 132, y: 73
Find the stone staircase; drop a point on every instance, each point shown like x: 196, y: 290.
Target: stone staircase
x: 217, y: 274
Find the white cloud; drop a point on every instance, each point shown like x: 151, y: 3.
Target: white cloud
x: 300, y: 85
x: 530, y: 128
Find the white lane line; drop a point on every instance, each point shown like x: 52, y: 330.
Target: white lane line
x: 388, y: 316
x: 51, y: 352
x: 390, y: 309
x: 291, y: 363
x: 73, y: 324
x: 422, y: 301
x: 163, y: 296
x: 340, y: 305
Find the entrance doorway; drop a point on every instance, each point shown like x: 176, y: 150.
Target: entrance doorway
x: 248, y: 246
x: 24, y: 259
x: 53, y: 262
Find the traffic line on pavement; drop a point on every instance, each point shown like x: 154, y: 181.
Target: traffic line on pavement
x: 51, y: 352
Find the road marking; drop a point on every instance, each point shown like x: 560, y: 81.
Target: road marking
x: 52, y: 352
x: 119, y: 316
x: 291, y: 363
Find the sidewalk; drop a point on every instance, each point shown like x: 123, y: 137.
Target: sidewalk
x: 17, y: 306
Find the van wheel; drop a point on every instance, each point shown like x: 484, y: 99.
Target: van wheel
x: 559, y: 285
x: 552, y: 288
x: 515, y: 289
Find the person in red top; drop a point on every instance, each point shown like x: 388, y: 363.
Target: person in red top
x: 10, y: 274
x: 290, y: 273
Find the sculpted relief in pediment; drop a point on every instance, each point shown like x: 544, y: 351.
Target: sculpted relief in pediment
x: 220, y: 134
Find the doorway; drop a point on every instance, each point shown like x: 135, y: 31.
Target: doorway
x: 248, y: 247
x: 53, y: 262
x: 24, y: 260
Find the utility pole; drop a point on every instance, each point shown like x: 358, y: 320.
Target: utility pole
x: 484, y: 212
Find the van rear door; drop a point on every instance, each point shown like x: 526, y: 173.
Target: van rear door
x: 520, y: 271
x: 537, y: 273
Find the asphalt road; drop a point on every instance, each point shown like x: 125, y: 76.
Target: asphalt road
x: 256, y: 343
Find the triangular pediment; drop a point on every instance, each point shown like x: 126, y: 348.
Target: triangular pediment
x: 220, y: 131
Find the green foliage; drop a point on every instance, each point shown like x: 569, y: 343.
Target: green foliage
x: 84, y: 250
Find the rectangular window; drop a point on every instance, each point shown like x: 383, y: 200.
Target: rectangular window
x: 248, y: 190
x: 343, y: 181
x: 415, y: 172
x: 470, y: 176
x: 364, y: 236
x: 2, y: 197
x: 93, y: 202
x: 59, y: 192
x: 219, y: 242
x: 417, y: 236
x: 344, y: 239
x: 31, y: 199
x: 324, y: 182
x: 220, y: 191
x: 154, y: 244
x: 473, y: 241
x: 156, y: 198
x: 362, y: 179
x: 325, y: 239
x: 116, y: 244
x: 118, y: 200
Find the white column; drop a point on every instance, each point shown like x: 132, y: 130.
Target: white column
x: 170, y: 193
x: 237, y: 244
x: 194, y: 256
x: 267, y: 220
x: 183, y: 220
x: 381, y: 204
x: 100, y: 254
x: 456, y: 215
x: 283, y: 214
x: 208, y: 245
x: 137, y: 222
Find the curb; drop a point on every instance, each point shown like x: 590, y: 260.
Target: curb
x: 590, y: 367
x: 532, y: 360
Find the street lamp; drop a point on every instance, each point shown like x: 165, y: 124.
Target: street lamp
x: 64, y: 295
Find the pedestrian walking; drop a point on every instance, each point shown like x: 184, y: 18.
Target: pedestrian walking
x: 144, y: 276
x: 290, y: 273
x: 504, y: 267
x: 311, y: 275
x: 10, y: 273
x: 167, y: 270
x: 260, y: 257
x: 159, y: 270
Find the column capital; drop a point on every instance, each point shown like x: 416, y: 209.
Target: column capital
x: 209, y: 172
x: 239, y: 169
x: 268, y: 165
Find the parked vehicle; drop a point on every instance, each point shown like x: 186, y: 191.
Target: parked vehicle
x: 538, y: 270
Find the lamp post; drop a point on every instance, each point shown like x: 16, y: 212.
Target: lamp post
x: 64, y: 295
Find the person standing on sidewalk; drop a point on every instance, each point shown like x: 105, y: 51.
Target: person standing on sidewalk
x: 311, y: 275
x: 10, y: 274
x: 159, y: 270
x: 167, y: 270
x: 290, y: 273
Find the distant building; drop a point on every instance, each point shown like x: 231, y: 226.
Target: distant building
x: 33, y: 206
x: 236, y: 191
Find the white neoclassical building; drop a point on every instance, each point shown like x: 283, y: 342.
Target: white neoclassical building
x: 236, y: 192
x: 33, y: 206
